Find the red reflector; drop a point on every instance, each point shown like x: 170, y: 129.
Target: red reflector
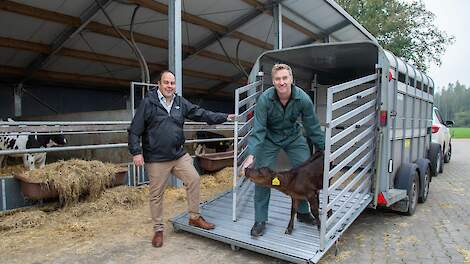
x: 435, y: 129
x: 381, y: 199
x: 383, y: 118
x: 249, y: 116
x: 390, y: 75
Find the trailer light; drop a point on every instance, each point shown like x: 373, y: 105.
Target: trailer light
x: 435, y: 129
x: 381, y: 200
x: 383, y: 118
x: 390, y: 75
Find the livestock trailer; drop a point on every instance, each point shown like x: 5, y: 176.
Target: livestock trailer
x: 375, y: 110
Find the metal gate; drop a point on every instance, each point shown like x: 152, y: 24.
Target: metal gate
x: 245, y: 101
x: 350, y: 140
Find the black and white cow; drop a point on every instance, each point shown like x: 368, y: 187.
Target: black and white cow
x: 22, y: 142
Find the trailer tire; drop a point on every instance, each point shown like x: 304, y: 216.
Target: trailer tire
x: 408, y: 179
x: 425, y: 186
x: 434, y: 156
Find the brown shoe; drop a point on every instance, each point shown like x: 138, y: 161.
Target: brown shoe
x: 157, y: 240
x: 202, y: 223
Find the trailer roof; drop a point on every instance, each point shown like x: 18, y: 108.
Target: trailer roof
x: 31, y: 34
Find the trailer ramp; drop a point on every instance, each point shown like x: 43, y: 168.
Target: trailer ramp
x: 302, y: 246
x: 350, y: 138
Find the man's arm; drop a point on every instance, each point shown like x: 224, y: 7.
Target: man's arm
x: 312, y: 125
x: 136, y: 129
x: 196, y: 113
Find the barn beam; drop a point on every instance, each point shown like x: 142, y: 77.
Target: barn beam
x: 69, y: 33
x: 287, y: 21
x: 103, y: 29
x: 92, y: 56
x: 86, y: 79
x: 195, y: 20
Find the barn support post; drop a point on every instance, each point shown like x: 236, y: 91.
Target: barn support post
x: 174, y: 42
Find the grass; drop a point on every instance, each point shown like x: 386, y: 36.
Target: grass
x: 460, y: 132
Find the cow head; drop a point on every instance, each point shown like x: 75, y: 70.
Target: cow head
x: 46, y: 141
x: 263, y: 176
x: 57, y: 140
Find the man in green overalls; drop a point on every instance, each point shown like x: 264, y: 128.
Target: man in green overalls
x: 275, y: 127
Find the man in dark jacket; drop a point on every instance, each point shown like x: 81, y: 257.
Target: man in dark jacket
x: 158, y: 124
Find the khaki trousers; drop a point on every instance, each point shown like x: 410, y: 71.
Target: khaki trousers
x: 159, y: 172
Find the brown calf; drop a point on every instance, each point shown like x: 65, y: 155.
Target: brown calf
x: 301, y: 183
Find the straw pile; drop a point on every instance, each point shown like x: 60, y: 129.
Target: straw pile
x: 12, y: 170
x: 119, y: 203
x: 123, y: 197
x: 75, y: 178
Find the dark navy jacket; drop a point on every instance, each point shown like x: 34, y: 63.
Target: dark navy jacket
x: 162, y: 133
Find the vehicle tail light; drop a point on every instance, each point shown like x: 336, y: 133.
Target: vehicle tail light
x: 390, y: 75
x: 381, y: 199
x: 383, y: 118
x: 435, y: 129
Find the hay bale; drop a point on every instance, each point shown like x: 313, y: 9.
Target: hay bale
x: 75, y: 178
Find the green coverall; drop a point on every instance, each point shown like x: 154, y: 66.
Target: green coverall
x: 275, y: 127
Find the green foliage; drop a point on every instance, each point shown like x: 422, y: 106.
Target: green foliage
x: 454, y: 104
x: 405, y: 28
x: 460, y: 132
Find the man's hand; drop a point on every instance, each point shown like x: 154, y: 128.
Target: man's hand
x: 138, y: 160
x: 231, y: 117
x: 248, y: 163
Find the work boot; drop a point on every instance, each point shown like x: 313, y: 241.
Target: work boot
x: 202, y: 223
x: 157, y: 240
x: 258, y: 229
x: 306, y: 218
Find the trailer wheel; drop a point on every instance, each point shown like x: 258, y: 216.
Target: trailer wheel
x: 427, y: 179
x: 413, y: 193
x: 434, y: 156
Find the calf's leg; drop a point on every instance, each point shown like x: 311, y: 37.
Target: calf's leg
x: 314, y: 207
x: 293, y: 211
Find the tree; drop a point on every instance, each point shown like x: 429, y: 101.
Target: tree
x: 453, y: 103
x: 405, y: 28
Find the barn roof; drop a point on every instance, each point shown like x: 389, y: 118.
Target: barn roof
x: 72, y: 42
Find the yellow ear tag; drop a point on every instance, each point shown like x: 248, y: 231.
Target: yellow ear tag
x: 276, y: 181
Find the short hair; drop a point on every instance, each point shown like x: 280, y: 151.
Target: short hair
x: 281, y: 66
x: 163, y: 72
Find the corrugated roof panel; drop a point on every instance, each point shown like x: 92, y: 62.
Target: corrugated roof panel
x: 222, y: 12
x: 69, y: 7
x: 349, y: 33
x: 261, y: 27
x: 28, y: 28
x: 13, y: 57
x: 317, y: 12
x: 210, y: 66
x: 246, y: 51
x: 291, y: 37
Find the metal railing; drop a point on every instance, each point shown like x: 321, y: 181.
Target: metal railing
x: 349, y: 153
x: 241, y: 132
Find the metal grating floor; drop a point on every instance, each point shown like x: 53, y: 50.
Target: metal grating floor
x: 302, y: 246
